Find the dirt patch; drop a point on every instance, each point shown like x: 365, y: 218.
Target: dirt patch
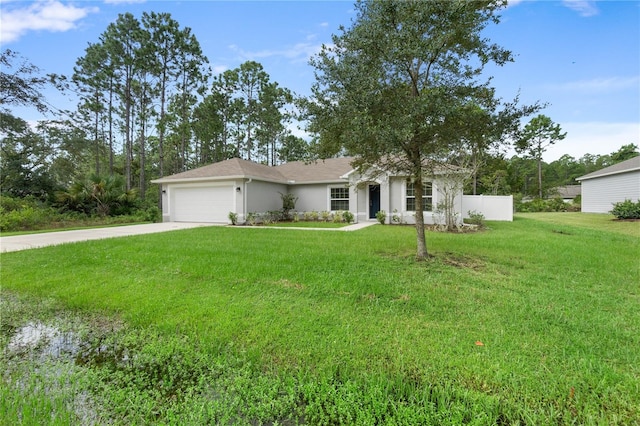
x: 461, y: 261
x: 289, y: 284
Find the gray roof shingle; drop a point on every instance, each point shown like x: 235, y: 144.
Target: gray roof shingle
x: 622, y: 167
x: 295, y: 172
x: 318, y: 171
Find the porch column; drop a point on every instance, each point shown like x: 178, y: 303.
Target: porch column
x: 353, y: 200
x: 385, y: 197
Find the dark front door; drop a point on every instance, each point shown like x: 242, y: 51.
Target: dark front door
x: 374, y: 200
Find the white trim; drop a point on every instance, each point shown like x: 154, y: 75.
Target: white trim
x: 433, y: 197
x: 634, y: 169
x: 345, y: 186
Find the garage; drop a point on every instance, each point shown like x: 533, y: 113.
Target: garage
x: 201, y: 203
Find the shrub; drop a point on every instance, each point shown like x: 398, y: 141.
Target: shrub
x: 24, y: 214
x: 252, y: 218
x: 326, y: 216
x: 396, y: 217
x: 152, y: 214
x: 233, y: 218
x: 348, y: 216
x: 381, y: 216
x: 475, y: 218
x: 540, y: 205
x: 338, y: 216
x: 288, y: 204
x: 626, y: 209
x: 556, y: 204
x: 272, y: 216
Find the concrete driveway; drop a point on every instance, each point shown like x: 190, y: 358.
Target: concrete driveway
x: 24, y: 242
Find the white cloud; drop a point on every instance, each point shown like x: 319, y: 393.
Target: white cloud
x: 49, y: 15
x: 599, y: 85
x: 124, y: 1
x: 219, y: 69
x: 298, y: 52
x: 598, y: 138
x: 585, y: 8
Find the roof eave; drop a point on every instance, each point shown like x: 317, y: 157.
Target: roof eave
x: 218, y: 178
x: 317, y: 182
x: 587, y: 177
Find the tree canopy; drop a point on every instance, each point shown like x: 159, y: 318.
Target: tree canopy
x: 401, y: 89
x: 539, y: 134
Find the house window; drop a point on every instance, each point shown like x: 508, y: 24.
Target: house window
x: 427, y: 197
x: 339, y: 198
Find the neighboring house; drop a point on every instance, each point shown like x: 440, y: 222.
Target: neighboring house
x: 567, y: 192
x: 603, y: 188
x: 210, y: 193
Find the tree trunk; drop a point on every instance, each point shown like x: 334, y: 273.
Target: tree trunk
x: 111, y: 127
x: 96, y: 135
x: 127, y: 129
x: 143, y: 179
x: 161, y: 128
x: 540, y: 177
x: 421, y: 253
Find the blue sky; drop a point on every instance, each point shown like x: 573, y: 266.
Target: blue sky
x: 582, y: 57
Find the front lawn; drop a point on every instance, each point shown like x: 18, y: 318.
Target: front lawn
x: 305, y: 224
x: 529, y: 322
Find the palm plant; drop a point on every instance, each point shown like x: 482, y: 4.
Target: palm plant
x: 100, y: 195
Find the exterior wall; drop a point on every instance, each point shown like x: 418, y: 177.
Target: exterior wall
x: 311, y: 197
x: 398, y: 190
x: 493, y: 207
x: 166, y: 215
x: 600, y: 193
x: 362, y: 202
x: 262, y: 197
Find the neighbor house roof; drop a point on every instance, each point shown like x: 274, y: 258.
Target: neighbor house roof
x: 295, y: 172
x: 567, y: 191
x: 629, y: 165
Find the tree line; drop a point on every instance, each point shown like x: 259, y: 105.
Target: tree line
x: 148, y: 107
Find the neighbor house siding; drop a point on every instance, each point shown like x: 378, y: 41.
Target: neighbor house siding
x: 600, y: 193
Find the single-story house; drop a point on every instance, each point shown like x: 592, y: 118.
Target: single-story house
x: 567, y: 192
x: 210, y: 193
x: 605, y: 187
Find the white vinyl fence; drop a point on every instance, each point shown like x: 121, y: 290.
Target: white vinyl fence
x: 493, y: 207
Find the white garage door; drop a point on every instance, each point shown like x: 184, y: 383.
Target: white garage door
x: 202, y: 204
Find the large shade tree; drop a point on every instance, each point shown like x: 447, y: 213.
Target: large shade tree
x: 400, y: 89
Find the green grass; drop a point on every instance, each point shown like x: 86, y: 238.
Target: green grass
x: 303, y: 224
x: 263, y: 325
x: 606, y: 222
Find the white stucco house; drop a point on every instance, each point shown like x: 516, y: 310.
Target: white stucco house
x: 602, y: 188
x: 210, y: 193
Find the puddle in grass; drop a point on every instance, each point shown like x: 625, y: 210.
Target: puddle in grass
x: 54, y: 352
x: 46, y: 340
